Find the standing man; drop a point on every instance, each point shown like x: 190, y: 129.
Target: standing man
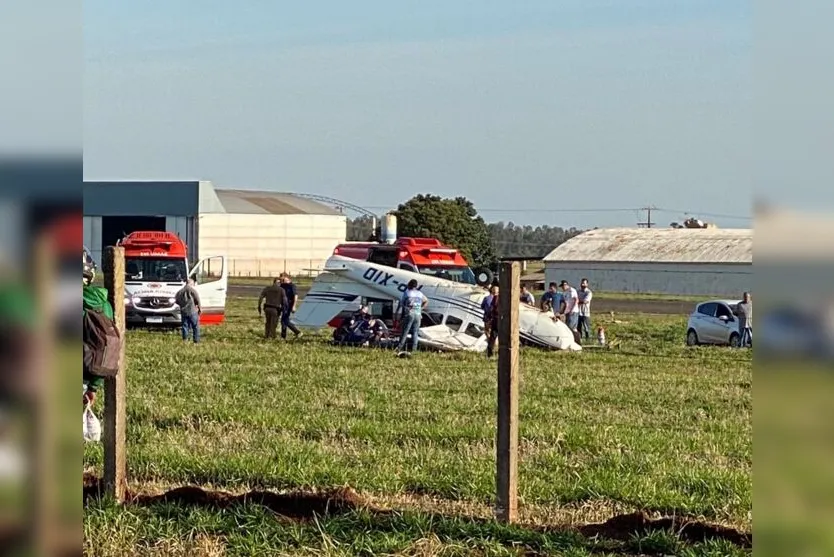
x: 93, y: 298
x: 411, y: 309
x: 289, y: 309
x: 585, y: 296
x: 570, y: 305
x: 190, y: 309
x: 745, y: 320
x: 492, y: 336
x: 274, y: 300
x: 527, y: 296
x: 551, y: 299
x: 487, y: 305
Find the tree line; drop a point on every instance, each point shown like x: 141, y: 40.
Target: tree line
x: 456, y: 223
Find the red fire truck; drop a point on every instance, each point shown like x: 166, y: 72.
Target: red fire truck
x: 427, y: 256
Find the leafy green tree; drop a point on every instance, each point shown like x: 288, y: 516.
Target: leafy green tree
x: 513, y: 240
x: 360, y: 229
x: 455, y: 222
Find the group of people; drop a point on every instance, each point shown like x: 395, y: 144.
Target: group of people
x: 362, y: 329
x: 277, y: 303
x: 567, y: 304
x: 570, y: 305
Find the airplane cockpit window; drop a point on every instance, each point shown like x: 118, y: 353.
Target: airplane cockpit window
x: 434, y: 318
x: 453, y: 322
x: 474, y: 330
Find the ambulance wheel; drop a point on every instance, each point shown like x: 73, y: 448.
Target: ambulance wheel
x: 483, y: 277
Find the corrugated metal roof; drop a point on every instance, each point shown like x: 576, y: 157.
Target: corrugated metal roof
x: 658, y: 245
x: 270, y: 203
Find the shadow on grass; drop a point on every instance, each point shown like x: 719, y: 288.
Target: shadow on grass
x: 305, y: 506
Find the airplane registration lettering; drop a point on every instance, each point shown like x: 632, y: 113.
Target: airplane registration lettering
x: 377, y: 276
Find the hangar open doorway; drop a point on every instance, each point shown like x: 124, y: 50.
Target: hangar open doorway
x: 114, y: 229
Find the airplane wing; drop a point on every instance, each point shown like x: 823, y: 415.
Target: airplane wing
x: 332, y: 293
x: 541, y: 329
x: 441, y: 337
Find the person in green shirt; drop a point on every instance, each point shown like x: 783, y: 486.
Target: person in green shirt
x: 18, y: 329
x: 94, y: 297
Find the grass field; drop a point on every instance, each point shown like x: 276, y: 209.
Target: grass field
x: 651, y: 425
x: 306, y: 283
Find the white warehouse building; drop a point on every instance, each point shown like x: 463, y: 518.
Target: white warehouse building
x: 260, y: 233
x: 700, y: 262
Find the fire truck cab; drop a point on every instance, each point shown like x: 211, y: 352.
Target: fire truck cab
x: 156, y: 267
x: 427, y: 256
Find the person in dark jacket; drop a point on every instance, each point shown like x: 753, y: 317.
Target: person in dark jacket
x: 491, y: 324
x: 274, y: 300
x: 289, y: 309
x: 93, y: 297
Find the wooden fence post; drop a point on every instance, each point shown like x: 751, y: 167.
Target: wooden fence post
x: 507, y: 434
x: 115, y: 461
x: 44, y: 438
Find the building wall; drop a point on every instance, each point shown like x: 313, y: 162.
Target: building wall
x: 184, y: 228
x: 655, y: 278
x: 92, y: 237
x: 265, y: 245
x: 134, y: 199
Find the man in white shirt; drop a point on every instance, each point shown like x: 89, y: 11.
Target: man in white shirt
x: 411, y: 307
x: 570, y: 305
x: 527, y: 296
x: 585, y: 296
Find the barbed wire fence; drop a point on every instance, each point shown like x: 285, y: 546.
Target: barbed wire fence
x: 388, y: 411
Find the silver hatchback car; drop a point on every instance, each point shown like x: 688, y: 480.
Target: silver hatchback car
x: 713, y: 322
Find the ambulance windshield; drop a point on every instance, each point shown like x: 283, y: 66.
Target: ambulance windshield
x: 155, y: 269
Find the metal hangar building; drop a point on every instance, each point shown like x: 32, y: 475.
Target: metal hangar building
x: 260, y: 233
x: 700, y: 262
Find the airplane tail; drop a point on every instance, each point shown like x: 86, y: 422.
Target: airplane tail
x: 331, y: 294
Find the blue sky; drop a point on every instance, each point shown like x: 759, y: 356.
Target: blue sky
x: 541, y: 112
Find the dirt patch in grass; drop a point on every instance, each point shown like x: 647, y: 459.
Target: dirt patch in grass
x: 307, y: 505
x: 624, y: 527
x: 295, y: 505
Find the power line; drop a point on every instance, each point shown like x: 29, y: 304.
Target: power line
x: 599, y: 210
x: 648, y: 223
x: 536, y: 210
x: 700, y: 213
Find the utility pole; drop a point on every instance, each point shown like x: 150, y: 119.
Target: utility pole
x: 648, y: 223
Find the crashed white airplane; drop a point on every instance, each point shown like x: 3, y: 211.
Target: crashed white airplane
x: 453, y: 320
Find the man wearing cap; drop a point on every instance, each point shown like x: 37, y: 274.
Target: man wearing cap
x: 274, y: 300
x: 570, y: 305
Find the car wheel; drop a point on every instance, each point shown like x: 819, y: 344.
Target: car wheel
x: 691, y: 338
x: 734, y: 340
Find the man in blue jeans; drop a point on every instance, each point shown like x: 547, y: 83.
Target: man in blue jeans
x: 745, y: 321
x: 190, y: 309
x: 289, y: 309
x: 411, y: 308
